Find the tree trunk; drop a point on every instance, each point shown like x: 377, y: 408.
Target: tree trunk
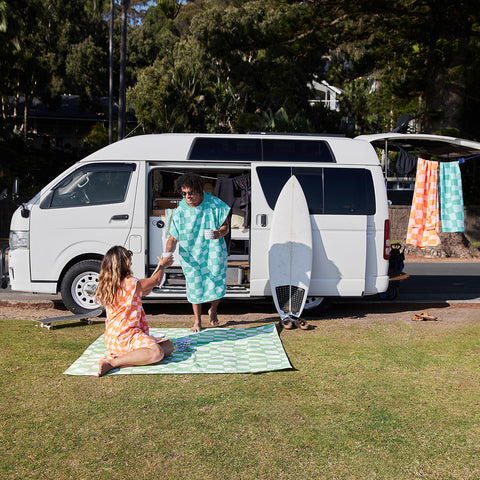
x: 110, y: 73
x: 123, y: 67
x: 445, y: 89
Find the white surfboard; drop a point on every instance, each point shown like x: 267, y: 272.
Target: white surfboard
x: 290, y: 252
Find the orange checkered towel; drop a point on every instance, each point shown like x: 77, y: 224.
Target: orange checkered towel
x: 424, y: 223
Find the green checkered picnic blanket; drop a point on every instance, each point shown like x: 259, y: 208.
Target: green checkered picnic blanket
x: 214, y: 350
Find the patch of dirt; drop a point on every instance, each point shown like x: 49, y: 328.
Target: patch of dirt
x: 453, y: 245
x: 244, y: 315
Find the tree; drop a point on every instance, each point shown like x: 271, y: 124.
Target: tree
x: 235, y: 60
x: 417, y: 52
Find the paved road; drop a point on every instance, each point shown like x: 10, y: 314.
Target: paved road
x: 428, y: 282
x: 449, y: 282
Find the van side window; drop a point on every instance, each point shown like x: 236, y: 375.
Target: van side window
x: 265, y: 149
x: 273, y: 179
x: 207, y: 148
x: 92, y: 185
x: 348, y: 191
x: 329, y: 191
x: 280, y: 150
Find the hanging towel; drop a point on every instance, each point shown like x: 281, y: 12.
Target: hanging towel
x: 451, y: 197
x: 424, y: 222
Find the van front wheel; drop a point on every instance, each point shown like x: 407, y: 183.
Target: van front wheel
x: 79, y: 285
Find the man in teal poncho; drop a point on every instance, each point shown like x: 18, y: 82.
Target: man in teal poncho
x: 204, y: 260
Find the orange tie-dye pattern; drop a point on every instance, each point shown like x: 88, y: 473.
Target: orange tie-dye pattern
x: 126, y: 327
x: 424, y: 223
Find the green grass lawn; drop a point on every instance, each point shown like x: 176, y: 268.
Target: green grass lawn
x: 369, y: 400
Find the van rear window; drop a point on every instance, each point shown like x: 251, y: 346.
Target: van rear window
x: 329, y: 191
x: 265, y: 149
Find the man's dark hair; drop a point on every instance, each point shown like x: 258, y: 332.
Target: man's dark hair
x: 190, y: 180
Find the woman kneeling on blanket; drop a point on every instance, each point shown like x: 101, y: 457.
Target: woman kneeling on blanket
x: 126, y: 327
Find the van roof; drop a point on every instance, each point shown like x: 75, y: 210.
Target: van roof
x: 177, y: 147
x: 426, y: 145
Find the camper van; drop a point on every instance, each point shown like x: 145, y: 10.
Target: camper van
x: 124, y: 194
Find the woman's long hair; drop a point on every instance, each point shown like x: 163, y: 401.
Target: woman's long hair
x: 115, y: 267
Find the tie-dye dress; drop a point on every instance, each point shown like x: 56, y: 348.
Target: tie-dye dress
x: 126, y: 326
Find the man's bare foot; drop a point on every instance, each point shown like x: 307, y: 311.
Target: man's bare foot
x: 104, y: 367
x: 196, y: 328
x: 213, y: 318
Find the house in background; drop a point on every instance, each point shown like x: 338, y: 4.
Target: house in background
x: 65, y: 127
x: 325, y: 94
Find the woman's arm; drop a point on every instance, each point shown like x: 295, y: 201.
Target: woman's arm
x: 146, y: 284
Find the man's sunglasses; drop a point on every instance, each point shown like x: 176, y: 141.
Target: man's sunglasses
x: 190, y: 194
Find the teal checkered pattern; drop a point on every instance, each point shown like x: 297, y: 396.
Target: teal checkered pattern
x: 204, y: 262
x: 214, y: 350
x: 451, y: 197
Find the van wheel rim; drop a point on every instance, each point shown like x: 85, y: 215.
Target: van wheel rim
x: 83, y: 289
x: 313, y: 302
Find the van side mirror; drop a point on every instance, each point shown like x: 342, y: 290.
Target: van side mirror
x: 15, y: 194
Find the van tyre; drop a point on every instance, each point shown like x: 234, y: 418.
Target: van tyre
x: 79, y: 285
x: 316, y: 306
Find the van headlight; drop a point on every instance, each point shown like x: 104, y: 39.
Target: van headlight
x: 18, y: 239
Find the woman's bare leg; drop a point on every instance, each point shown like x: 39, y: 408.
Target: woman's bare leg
x: 140, y: 356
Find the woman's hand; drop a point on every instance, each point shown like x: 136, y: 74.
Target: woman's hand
x: 165, y: 261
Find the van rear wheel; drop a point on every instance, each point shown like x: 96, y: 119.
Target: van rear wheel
x: 79, y: 285
x: 315, y: 305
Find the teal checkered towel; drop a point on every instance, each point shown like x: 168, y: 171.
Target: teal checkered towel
x: 451, y: 197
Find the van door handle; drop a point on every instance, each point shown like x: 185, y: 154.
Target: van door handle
x: 119, y: 217
x: 262, y: 219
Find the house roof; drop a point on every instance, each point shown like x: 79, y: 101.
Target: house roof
x: 69, y: 109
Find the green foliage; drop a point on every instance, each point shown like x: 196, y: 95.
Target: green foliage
x: 84, y: 58
x: 97, y: 138
x: 235, y: 66
x: 231, y: 62
x: 281, y: 122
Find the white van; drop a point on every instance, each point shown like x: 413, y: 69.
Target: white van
x: 123, y: 194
